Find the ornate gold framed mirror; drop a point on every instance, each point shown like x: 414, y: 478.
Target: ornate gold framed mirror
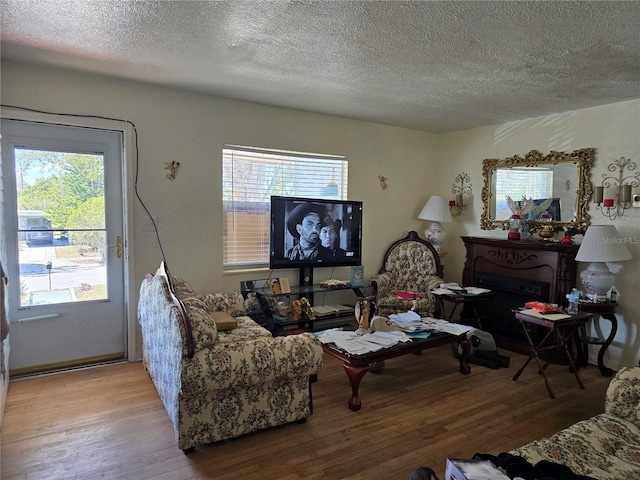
x: 555, y: 185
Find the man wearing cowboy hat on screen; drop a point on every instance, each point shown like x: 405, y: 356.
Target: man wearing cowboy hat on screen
x: 305, y: 222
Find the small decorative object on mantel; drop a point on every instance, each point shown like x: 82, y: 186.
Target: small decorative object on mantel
x: 515, y: 223
x: 548, y: 230
x: 572, y: 235
x: 518, y: 209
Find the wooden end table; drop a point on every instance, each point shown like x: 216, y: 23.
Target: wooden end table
x: 606, y: 310
x: 559, y: 334
x: 465, y: 300
x: 356, y: 366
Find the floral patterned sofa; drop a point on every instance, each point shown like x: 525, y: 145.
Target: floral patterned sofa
x: 607, y: 446
x: 215, y: 384
x: 410, y: 264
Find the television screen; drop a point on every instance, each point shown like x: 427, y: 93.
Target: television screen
x: 307, y: 232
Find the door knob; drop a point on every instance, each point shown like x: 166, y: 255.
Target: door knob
x: 118, y: 246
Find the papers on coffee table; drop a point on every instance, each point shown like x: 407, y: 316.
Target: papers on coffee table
x: 459, y: 291
x: 477, y: 290
x: 355, y: 344
x: 440, y: 325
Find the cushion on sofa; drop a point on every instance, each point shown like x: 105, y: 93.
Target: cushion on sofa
x: 247, y: 329
x: 623, y: 396
x: 182, y: 289
x: 203, y: 327
x: 606, y: 446
x: 224, y: 321
x: 230, y: 302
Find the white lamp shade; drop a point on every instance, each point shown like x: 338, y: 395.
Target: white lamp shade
x: 603, y: 243
x: 436, y: 210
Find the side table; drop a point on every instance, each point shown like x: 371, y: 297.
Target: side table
x: 606, y: 310
x: 559, y: 334
x: 464, y: 300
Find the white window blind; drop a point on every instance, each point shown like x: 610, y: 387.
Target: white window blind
x: 536, y: 183
x: 250, y: 176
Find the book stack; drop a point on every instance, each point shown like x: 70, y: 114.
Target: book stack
x: 325, y: 310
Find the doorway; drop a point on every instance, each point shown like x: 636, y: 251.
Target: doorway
x: 64, y: 236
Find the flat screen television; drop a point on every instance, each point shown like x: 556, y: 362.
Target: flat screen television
x: 308, y: 232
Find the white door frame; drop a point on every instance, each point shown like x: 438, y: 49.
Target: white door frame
x: 128, y: 177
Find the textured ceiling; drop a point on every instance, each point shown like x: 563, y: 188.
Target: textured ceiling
x: 431, y: 65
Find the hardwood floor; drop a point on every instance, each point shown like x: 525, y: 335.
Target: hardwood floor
x: 109, y: 423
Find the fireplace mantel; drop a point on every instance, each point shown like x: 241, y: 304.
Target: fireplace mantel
x: 544, y: 261
x: 547, y: 266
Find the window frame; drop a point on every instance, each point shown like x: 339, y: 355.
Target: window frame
x: 250, y: 176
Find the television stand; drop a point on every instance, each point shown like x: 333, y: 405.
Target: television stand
x: 306, y: 277
x: 277, y: 324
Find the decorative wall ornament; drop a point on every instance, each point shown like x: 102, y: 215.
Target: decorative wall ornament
x: 614, y: 196
x: 461, y: 186
x: 383, y: 182
x: 173, y: 168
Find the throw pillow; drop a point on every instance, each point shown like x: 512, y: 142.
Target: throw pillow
x: 182, y: 289
x: 203, y: 327
x: 224, y: 321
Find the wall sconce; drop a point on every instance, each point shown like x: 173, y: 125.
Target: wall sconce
x: 459, y: 188
x: 614, y: 196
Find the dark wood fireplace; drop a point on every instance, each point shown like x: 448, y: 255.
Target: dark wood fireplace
x: 517, y: 271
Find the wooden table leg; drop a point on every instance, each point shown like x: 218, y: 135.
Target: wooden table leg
x: 605, y: 371
x: 534, y: 355
x: 563, y: 341
x: 355, y: 375
x: 463, y: 341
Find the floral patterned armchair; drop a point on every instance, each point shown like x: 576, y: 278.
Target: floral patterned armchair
x: 411, y: 264
x: 215, y: 384
x: 606, y: 446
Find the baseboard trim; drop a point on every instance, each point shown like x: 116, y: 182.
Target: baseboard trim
x: 65, y: 366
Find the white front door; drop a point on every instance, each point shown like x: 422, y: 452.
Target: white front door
x: 64, y: 236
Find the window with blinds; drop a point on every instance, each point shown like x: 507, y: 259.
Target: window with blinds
x: 536, y: 183
x: 250, y: 176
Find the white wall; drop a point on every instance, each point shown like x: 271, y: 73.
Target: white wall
x: 191, y: 128
x: 613, y: 131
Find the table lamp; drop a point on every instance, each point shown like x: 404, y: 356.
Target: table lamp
x: 601, y: 243
x: 436, y: 210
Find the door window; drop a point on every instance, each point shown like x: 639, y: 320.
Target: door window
x: 61, y: 226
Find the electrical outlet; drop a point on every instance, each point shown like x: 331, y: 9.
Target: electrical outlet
x: 636, y: 201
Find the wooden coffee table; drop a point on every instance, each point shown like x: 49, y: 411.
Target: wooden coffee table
x: 356, y: 366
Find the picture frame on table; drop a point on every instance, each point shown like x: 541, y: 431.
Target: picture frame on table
x: 279, y: 286
x: 357, y: 276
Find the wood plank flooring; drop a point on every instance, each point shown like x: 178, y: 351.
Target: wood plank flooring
x: 109, y: 423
